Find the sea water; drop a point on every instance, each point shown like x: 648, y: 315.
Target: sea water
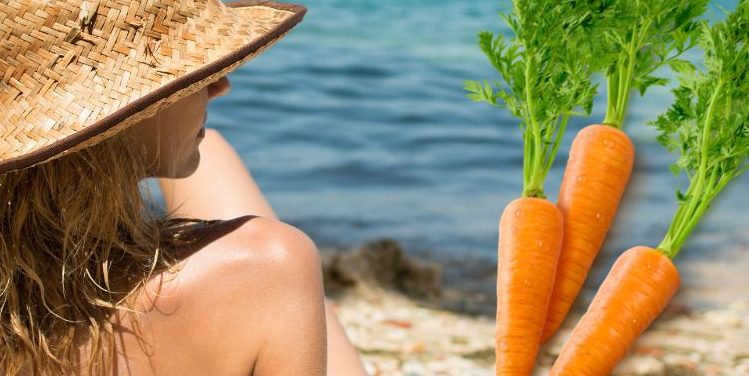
x: 357, y: 127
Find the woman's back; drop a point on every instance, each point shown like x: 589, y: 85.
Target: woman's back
x: 236, y: 306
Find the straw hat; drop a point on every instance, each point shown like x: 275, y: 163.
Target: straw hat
x: 73, y: 72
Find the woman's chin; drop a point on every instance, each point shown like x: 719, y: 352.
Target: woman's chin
x: 190, y: 166
x: 183, y: 170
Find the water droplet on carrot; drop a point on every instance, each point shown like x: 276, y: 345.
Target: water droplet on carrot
x: 609, y: 143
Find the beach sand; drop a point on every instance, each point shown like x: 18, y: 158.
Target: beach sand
x: 398, y: 336
x: 401, y: 335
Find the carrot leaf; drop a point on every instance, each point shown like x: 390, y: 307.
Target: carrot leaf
x: 633, y: 38
x: 708, y: 123
x: 545, y: 79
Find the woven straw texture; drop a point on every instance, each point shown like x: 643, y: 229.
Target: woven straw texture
x: 73, y: 72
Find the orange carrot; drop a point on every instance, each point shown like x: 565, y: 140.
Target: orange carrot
x: 601, y: 157
x: 707, y: 126
x: 546, y: 81
x: 530, y: 235
x: 640, y: 284
x: 598, y: 169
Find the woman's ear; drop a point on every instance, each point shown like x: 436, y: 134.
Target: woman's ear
x: 219, y: 88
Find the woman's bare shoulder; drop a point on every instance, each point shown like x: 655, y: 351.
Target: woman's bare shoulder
x: 255, y: 247
x: 263, y: 240
x: 228, y: 298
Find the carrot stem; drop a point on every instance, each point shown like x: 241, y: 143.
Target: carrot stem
x: 612, y: 99
x: 701, y: 191
x: 557, y: 141
x: 533, y: 183
x: 619, y: 81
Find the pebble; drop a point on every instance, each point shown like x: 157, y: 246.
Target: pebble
x: 724, y: 318
x: 641, y: 365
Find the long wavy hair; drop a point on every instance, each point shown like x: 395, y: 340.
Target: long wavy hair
x: 76, y: 241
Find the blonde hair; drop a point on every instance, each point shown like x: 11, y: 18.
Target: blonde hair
x: 76, y: 241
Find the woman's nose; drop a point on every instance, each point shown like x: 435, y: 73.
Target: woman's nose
x: 219, y: 88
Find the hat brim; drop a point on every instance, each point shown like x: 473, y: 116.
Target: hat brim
x: 150, y: 103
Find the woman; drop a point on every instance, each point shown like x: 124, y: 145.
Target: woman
x: 96, y: 96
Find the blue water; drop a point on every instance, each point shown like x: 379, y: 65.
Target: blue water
x: 356, y: 127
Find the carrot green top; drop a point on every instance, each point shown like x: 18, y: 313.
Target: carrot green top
x: 708, y: 124
x: 546, y: 78
x: 631, y: 39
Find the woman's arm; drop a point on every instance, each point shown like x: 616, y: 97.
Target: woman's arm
x: 222, y: 188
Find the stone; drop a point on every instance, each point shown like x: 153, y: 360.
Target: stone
x: 382, y: 264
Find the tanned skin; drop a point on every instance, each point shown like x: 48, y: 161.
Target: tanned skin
x: 249, y: 303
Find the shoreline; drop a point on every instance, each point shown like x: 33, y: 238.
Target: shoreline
x: 403, y: 328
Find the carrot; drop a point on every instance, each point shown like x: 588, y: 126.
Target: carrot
x: 639, y: 37
x: 530, y: 236
x: 598, y: 168
x: 708, y: 125
x: 546, y: 82
x: 638, y: 288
